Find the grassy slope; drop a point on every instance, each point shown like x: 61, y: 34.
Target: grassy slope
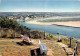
x: 9, y: 47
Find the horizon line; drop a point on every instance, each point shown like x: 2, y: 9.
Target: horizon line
x: 21, y: 11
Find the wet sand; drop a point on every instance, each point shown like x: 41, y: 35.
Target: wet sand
x: 71, y: 23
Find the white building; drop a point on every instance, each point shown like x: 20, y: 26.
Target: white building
x: 11, y: 17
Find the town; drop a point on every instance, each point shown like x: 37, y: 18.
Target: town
x: 22, y: 16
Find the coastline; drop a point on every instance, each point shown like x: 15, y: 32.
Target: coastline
x: 75, y: 24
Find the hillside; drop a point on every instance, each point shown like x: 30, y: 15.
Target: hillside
x: 14, y: 47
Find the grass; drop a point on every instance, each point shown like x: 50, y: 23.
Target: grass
x: 56, y: 49
x: 73, y: 43
x: 10, y: 48
x: 15, y: 51
x: 65, y: 40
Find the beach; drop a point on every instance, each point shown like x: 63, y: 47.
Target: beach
x: 70, y: 23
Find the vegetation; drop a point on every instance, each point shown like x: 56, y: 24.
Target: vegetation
x: 12, y: 24
x: 51, y: 42
x: 10, y: 47
x: 61, y: 20
x: 9, y: 26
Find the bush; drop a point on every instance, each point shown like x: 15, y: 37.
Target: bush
x: 12, y: 24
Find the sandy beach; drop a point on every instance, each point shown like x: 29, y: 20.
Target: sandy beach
x: 72, y: 24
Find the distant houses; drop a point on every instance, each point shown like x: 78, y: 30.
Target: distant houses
x: 18, y: 18
x: 25, y: 15
x: 11, y: 17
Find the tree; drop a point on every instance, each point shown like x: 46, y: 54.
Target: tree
x: 12, y: 24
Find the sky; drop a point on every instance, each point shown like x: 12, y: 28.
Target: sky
x: 39, y: 5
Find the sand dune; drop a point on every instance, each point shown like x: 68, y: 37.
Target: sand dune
x: 71, y: 23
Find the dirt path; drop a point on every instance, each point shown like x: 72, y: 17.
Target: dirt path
x: 58, y: 47
x: 61, y: 44
x: 68, y: 51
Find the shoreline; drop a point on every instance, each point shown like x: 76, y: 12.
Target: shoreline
x: 66, y: 26
x: 75, y: 24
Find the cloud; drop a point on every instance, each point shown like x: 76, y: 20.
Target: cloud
x: 78, y: 0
